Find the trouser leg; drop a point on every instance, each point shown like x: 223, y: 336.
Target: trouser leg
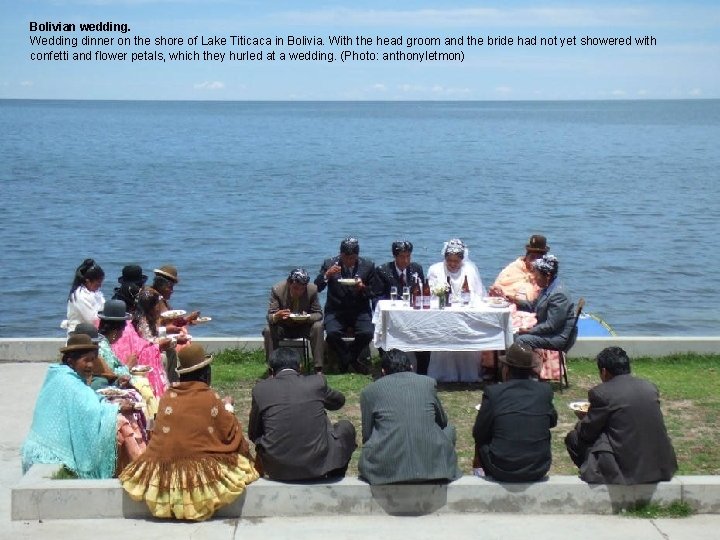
x: 335, y: 330
x: 317, y: 343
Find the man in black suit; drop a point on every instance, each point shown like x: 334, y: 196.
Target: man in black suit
x: 622, y: 439
x: 352, y: 288
x: 293, y: 435
x: 512, y: 429
x: 402, y: 272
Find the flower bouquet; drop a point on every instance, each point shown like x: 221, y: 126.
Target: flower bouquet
x: 442, y: 291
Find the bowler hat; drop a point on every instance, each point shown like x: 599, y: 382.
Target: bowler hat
x: 169, y: 272
x: 78, y: 342
x: 518, y: 357
x: 537, y: 244
x: 192, y: 358
x: 132, y: 273
x: 87, y: 329
x: 114, y: 310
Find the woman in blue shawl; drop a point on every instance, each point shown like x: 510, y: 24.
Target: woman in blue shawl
x: 72, y: 425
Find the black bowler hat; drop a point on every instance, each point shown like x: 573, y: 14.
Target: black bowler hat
x: 132, y: 273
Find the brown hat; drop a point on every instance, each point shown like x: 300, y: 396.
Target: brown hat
x: 167, y: 271
x: 192, y: 358
x: 518, y: 357
x: 79, y: 342
x: 537, y: 244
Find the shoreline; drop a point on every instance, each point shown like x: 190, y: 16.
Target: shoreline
x: 24, y: 349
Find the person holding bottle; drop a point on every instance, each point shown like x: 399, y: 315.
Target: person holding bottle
x: 456, y: 366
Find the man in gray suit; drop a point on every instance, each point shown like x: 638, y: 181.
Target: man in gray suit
x: 405, y: 431
x: 294, y: 312
x: 553, y: 309
x: 293, y: 435
x: 622, y: 439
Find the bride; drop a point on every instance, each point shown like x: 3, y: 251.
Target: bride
x: 455, y: 366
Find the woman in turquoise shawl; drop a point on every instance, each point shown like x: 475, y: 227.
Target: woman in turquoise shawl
x: 72, y: 425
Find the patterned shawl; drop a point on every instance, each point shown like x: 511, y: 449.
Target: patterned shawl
x: 72, y: 426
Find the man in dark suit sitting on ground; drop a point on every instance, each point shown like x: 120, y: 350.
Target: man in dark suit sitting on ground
x: 293, y: 436
x: 622, y: 439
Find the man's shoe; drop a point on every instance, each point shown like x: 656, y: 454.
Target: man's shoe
x: 361, y: 367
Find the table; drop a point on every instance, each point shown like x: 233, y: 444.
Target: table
x: 476, y: 328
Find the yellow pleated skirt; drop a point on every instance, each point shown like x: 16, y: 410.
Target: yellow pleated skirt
x: 210, y: 489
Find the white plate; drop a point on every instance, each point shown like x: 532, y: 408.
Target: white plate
x: 111, y: 392
x: 299, y: 316
x: 203, y: 319
x: 141, y: 370
x: 175, y: 336
x: 173, y: 313
x: 581, y: 406
x: 347, y: 281
x: 500, y: 304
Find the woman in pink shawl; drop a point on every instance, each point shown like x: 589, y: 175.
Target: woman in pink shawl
x: 139, y: 343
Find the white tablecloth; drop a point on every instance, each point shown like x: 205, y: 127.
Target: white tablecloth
x: 477, y: 328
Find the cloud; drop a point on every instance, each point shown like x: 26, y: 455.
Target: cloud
x: 503, y: 90
x: 208, y: 85
x: 695, y: 92
x: 618, y: 93
x: 26, y: 83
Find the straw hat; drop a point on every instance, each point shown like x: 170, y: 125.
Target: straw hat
x: 518, y: 357
x: 169, y: 272
x: 192, y: 358
x: 79, y: 342
x: 537, y: 244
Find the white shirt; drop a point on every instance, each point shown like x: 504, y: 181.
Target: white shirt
x: 83, y: 307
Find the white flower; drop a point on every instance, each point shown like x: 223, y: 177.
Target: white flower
x: 166, y: 429
x: 440, y: 289
x: 214, y: 412
x: 211, y: 429
x: 173, y: 394
x: 168, y: 410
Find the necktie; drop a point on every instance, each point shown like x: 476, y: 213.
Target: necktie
x: 402, y: 279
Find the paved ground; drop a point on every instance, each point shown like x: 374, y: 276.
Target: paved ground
x: 22, y: 382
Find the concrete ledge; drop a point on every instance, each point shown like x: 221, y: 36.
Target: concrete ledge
x: 46, y: 349
x: 37, y: 496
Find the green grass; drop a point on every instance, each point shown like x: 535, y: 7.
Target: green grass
x: 676, y: 509
x: 63, y: 474
x: 689, y: 389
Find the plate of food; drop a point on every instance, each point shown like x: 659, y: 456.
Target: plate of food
x: 110, y: 392
x: 173, y: 313
x: 347, y: 281
x: 299, y: 317
x: 580, y: 408
x: 203, y: 319
x: 497, y: 301
x: 140, y: 370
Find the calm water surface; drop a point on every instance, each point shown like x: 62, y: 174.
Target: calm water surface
x: 236, y: 193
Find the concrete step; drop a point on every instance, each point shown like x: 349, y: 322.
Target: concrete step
x: 37, y: 497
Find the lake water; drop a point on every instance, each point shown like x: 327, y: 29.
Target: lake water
x: 237, y: 193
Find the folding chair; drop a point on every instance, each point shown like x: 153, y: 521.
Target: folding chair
x: 303, y: 344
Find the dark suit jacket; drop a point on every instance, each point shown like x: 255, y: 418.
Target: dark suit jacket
x: 346, y: 299
x: 512, y: 430
x: 555, y: 315
x: 405, y: 432
x: 625, y: 432
x: 290, y: 427
x: 388, y: 276
x: 280, y: 299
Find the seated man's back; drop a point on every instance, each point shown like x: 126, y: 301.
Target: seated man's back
x: 294, y: 438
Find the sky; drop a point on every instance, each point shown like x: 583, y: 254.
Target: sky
x: 684, y: 62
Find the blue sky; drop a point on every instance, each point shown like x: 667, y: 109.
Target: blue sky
x: 685, y: 63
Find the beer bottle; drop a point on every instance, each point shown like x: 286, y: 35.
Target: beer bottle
x: 465, y: 292
x: 426, y: 295
x: 416, y: 295
x: 448, y: 294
